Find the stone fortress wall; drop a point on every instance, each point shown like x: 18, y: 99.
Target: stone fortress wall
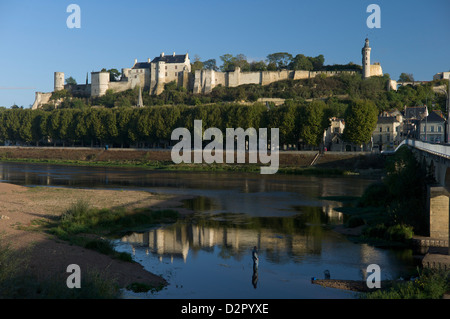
x: 206, y: 80
x: 153, y: 75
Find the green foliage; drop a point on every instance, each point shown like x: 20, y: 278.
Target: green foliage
x: 402, y: 195
x: 355, y: 221
x: 80, y: 217
x: 18, y: 282
x: 360, y: 121
x: 76, y: 122
x: 71, y: 81
x: 375, y: 195
x: 406, y: 77
x: 431, y: 284
x: 60, y: 94
x: 280, y: 59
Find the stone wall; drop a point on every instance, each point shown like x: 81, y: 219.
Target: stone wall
x: 206, y: 80
x: 41, y: 99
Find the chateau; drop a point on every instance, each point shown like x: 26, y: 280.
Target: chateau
x: 151, y: 76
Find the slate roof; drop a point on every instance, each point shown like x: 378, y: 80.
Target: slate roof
x: 434, y: 117
x: 414, y: 113
x: 386, y: 119
x: 142, y: 65
x: 171, y: 58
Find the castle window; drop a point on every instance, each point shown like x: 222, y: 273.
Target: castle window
x: 176, y: 67
x: 166, y: 73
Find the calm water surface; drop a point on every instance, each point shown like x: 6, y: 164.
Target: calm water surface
x: 208, y: 255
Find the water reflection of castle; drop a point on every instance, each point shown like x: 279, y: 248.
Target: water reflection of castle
x: 176, y: 241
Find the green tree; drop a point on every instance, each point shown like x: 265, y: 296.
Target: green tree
x: 65, y: 130
x: 95, y: 129
x: 80, y: 126
x: 26, y: 121
x: 314, y: 123
x: 210, y: 65
x: 197, y: 64
x: 108, y: 118
x: 230, y: 62
x: 280, y: 59
x: 114, y: 75
x: 53, y: 126
x: 317, y: 62
x: 301, y: 62
x: 406, y: 77
x: 258, y: 66
x: 71, y: 81
x: 360, y: 120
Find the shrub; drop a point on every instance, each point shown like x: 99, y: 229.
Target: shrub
x: 377, y: 231
x: 432, y: 284
x: 355, y: 221
x: 400, y: 233
x: 375, y: 195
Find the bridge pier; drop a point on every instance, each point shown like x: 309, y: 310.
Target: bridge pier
x: 439, y: 209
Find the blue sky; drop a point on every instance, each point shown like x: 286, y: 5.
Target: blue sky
x: 35, y: 41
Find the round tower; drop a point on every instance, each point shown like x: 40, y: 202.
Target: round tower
x: 366, y: 60
x: 99, y: 83
x: 59, y: 81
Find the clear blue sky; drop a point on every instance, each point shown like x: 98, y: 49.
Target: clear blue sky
x: 35, y: 41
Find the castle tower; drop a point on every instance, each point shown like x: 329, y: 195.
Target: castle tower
x: 99, y: 83
x: 58, y: 81
x: 366, y: 60
x: 161, y: 69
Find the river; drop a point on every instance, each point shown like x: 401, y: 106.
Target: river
x: 208, y: 255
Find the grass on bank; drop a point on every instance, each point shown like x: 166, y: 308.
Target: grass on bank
x: 17, y: 282
x: 85, y: 226
x: 170, y: 166
x: 430, y: 284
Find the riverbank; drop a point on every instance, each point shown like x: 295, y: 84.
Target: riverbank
x: 24, y: 209
x: 290, y: 162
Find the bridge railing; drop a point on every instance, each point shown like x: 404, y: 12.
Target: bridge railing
x: 442, y: 150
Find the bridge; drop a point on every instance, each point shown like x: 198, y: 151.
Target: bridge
x: 411, y: 83
x: 436, y: 157
x: 394, y: 85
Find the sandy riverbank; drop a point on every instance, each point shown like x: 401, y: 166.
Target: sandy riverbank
x: 49, y: 257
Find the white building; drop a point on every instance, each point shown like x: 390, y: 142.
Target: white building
x: 432, y: 128
x: 442, y: 76
x: 389, y: 132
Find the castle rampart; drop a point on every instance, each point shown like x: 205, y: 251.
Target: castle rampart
x: 206, y: 80
x: 153, y: 75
